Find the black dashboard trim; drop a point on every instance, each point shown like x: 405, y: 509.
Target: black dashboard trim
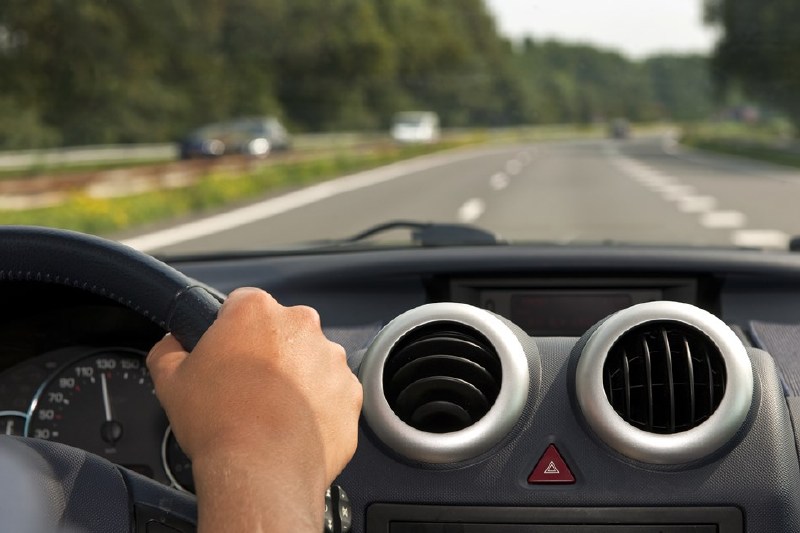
x: 380, y: 516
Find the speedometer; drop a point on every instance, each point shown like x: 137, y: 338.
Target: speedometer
x: 104, y: 403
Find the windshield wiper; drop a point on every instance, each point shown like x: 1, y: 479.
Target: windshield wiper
x: 429, y: 234
x: 423, y: 234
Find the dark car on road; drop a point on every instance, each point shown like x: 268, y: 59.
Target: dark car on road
x: 256, y: 136
x: 619, y: 128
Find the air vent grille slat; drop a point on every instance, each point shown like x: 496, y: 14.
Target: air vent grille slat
x: 690, y: 369
x: 670, y: 379
x: 442, y: 377
x: 626, y: 369
x: 648, y: 368
x: 710, y: 378
x: 654, y: 379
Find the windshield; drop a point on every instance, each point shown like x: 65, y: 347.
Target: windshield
x: 214, y: 126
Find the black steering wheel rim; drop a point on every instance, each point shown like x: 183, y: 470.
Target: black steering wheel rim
x: 134, y: 279
x: 73, y: 490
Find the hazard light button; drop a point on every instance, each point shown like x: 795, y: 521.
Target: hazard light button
x: 551, y: 468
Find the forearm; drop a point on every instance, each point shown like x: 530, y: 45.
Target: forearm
x: 237, y: 492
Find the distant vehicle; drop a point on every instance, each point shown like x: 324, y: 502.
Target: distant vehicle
x: 256, y: 137
x: 416, y: 127
x: 619, y: 128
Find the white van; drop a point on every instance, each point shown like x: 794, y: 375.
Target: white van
x: 416, y: 127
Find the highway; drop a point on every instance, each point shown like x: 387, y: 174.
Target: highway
x: 643, y: 190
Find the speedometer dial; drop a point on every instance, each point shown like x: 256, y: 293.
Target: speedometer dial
x: 104, y: 403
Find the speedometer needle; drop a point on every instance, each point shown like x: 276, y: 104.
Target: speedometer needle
x: 9, y: 427
x: 111, y: 430
x: 106, y: 401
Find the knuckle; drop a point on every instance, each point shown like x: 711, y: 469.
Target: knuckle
x: 307, y: 315
x: 357, y: 392
x: 249, y: 300
x: 258, y: 298
x: 338, y: 351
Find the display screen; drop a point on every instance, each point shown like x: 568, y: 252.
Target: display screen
x: 551, y: 314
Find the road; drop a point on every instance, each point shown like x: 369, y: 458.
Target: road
x: 643, y: 190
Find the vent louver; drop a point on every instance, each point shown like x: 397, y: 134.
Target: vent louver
x: 445, y: 382
x: 664, y: 377
x: 442, y: 377
x: 664, y: 382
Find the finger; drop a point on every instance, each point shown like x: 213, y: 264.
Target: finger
x: 164, y: 358
x: 306, y: 316
x: 245, y: 297
x: 338, y: 351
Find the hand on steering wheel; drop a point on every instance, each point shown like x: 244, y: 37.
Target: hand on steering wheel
x: 264, y: 397
x: 265, y: 417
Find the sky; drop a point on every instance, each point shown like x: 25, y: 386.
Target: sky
x: 638, y: 28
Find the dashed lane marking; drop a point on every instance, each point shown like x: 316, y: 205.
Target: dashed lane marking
x: 723, y: 219
x: 499, y: 181
x: 688, y: 201
x: 513, y: 167
x: 471, y: 210
x: 677, y: 192
x: 761, y: 238
x: 697, y: 204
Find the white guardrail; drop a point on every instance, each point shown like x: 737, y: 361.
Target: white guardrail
x: 87, y: 154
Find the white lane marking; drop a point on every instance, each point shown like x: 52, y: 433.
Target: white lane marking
x: 293, y: 200
x: 697, y: 204
x: 656, y: 182
x: 761, y: 238
x: 471, y: 210
x: 513, y: 167
x: 525, y: 157
x: 688, y: 201
x: 499, y: 181
x: 723, y: 219
x: 675, y: 193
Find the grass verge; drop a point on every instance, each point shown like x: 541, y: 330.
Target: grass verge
x: 751, y: 150
x: 106, y: 215
x: 773, y: 143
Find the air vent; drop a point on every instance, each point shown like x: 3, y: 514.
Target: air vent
x: 442, y: 377
x: 664, y: 377
x: 653, y: 381
x: 445, y: 382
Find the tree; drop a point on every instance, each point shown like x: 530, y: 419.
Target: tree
x: 758, y: 50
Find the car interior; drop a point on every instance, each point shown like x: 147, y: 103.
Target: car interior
x: 525, y: 388
x: 557, y: 240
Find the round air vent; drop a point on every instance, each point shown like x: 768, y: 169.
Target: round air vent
x: 442, y: 377
x: 653, y: 381
x: 444, y: 382
x: 664, y: 377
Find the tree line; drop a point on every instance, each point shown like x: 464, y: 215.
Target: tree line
x: 124, y: 71
x: 758, y: 54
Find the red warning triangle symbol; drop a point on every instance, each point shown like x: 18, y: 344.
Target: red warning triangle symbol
x: 551, y: 468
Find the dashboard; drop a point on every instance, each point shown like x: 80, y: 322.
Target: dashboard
x: 543, y: 457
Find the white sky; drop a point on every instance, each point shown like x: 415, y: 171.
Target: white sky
x: 636, y: 27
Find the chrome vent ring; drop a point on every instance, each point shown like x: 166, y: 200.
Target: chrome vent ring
x: 444, y: 382
x: 664, y: 382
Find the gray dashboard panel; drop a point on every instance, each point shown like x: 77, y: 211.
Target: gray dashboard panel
x: 760, y: 473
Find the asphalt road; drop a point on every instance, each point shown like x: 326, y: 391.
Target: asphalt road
x: 645, y: 190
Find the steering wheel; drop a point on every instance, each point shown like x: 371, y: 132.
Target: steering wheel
x: 46, y: 486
